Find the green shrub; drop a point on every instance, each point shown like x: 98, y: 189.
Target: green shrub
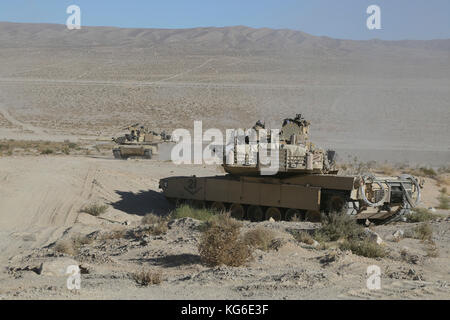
x: 363, y: 248
x: 338, y: 226
x: 47, y: 151
x: 420, y: 215
x: 185, y: 211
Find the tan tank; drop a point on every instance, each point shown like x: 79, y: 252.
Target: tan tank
x: 305, y: 184
x: 138, y: 143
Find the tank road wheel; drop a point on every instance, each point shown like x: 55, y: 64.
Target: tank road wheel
x: 237, y: 211
x: 148, y: 153
x: 273, y: 213
x: 219, y: 207
x: 255, y: 213
x: 294, y: 215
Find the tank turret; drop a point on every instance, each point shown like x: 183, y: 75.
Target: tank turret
x: 138, y: 142
x: 290, y: 153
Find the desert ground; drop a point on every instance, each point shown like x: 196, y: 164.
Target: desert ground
x: 41, y: 201
x: 64, y: 94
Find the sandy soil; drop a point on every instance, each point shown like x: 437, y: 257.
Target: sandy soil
x: 40, y: 203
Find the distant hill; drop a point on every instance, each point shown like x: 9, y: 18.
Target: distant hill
x: 209, y: 39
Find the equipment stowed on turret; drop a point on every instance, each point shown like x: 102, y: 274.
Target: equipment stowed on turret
x: 305, y: 181
x: 292, y: 154
x: 138, y: 143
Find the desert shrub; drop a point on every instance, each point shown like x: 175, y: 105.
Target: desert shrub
x: 259, y: 238
x: 115, y: 234
x: 338, y: 226
x: 66, y: 246
x: 47, y: 151
x: 420, y: 215
x: 158, y: 224
x: 423, y: 232
x: 185, y: 211
x: 81, y: 240
x: 386, y: 169
x: 363, y: 248
x: 158, y: 228
x: 95, y: 209
x: 65, y: 150
x: 431, y: 249
x: 409, y: 257
x: 150, y: 219
x: 428, y: 171
x: 72, y: 246
x: 304, y: 237
x: 221, y: 244
x: 444, y: 200
x: 147, y: 277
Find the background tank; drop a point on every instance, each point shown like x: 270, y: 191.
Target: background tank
x: 295, y: 153
x: 139, y: 142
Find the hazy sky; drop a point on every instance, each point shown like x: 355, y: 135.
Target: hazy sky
x: 400, y: 19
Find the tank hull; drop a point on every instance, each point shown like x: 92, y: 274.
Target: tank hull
x: 305, y: 195
x: 135, y: 151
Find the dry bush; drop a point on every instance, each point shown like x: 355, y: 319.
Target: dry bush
x: 444, y: 200
x: 304, y: 237
x: 81, y: 240
x: 158, y: 224
x: 408, y: 257
x: 66, y: 246
x: 150, y: 219
x: 363, y: 248
x: 386, y: 169
x: 115, y: 234
x: 260, y: 238
x: 158, y: 228
x: 429, y: 172
x: 221, y: 244
x: 443, y: 180
x: 431, y: 249
x: 147, y: 277
x: 95, y: 209
x: 423, y: 231
x: 72, y: 246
